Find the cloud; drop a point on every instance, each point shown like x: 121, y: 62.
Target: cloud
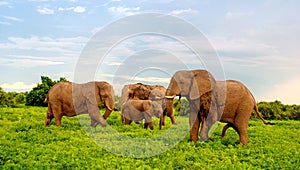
x: 124, y: 11
x: 45, y: 10
x: 31, y: 61
x: 17, y: 86
x: 45, y: 44
x: 4, y: 23
x: 11, y: 18
x: 77, y: 9
x: 2, y: 3
x: 183, y: 11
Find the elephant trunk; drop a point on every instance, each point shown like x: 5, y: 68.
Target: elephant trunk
x: 110, y: 105
x: 169, y: 107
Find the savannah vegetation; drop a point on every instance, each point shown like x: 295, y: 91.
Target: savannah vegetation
x: 26, y: 144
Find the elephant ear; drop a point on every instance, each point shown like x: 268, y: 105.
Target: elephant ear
x: 202, y: 82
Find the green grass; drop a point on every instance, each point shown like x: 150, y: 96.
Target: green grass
x: 26, y: 144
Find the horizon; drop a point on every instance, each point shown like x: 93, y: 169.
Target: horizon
x: 255, y: 42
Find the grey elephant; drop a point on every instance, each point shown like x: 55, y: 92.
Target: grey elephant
x: 192, y: 84
x: 71, y: 99
x: 235, y: 110
x: 137, y: 110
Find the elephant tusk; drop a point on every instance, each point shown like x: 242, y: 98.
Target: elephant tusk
x: 170, y: 97
x: 108, y: 108
x: 158, y: 98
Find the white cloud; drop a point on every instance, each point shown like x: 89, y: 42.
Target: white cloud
x: 11, y: 18
x: 17, y: 86
x: 4, y: 23
x: 183, y: 11
x: 3, y: 3
x: 124, y: 11
x: 45, y: 44
x: 44, y: 10
x: 31, y: 61
x: 77, y: 9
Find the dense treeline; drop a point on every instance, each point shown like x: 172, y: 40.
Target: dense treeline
x: 270, y: 110
x: 35, y: 97
x: 10, y: 99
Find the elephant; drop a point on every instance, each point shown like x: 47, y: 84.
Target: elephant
x: 192, y: 84
x: 71, y: 99
x: 137, y: 110
x: 235, y: 110
x: 141, y: 91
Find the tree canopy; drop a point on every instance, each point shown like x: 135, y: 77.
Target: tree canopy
x: 38, y: 94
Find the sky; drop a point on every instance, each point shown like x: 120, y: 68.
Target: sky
x: 255, y: 42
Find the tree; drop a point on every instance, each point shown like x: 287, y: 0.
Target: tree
x: 3, y: 98
x: 38, y: 94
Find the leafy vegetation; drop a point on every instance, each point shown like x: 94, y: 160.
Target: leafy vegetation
x: 26, y: 144
x: 38, y: 94
x: 278, y: 111
x: 12, y: 99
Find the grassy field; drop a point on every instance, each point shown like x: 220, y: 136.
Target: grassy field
x: 26, y: 144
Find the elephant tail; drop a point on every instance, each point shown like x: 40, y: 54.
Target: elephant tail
x: 46, y: 98
x: 260, y: 116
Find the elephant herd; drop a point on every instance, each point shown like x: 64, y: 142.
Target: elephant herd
x: 210, y: 101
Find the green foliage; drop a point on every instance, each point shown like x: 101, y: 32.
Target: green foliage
x: 26, y: 144
x: 12, y: 99
x: 117, y: 103
x: 278, y: 111
x: 181, y: 106
x: 4, y: 100
x: 38, y: 94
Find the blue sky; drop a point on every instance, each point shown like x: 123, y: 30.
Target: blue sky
x: 257, y: 41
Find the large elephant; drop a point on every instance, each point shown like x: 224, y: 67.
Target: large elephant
x: 235, y: 110
x: 137, y: 110
x: 140, y: 91
x: 191, y: 84
x: 71, y: 99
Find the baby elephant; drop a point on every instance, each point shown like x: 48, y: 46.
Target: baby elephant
x: 137, y: 110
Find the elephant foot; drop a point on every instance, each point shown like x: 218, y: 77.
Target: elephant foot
x: 203, y: 139
x: 95, y: 123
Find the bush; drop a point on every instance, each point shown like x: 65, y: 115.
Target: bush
x: 277, y: 110
x: 38, y: 94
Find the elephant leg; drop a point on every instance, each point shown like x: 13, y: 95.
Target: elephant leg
x: 173, y: 120
x: 49, y: 116
x: 57, y: 113
x: 151, y: 125
x: 194, y: 120
x: 241, y: 125
x: 161, y: 121
x: 204, y: 129
x: 146, y: 125
x: 127, y: 121
x: 228, y: 125
x: 94, y: 113
x: 122, y: 118
x: 148, y: 121
x: 107, y: 113
x: 243, y: 135
x: 209, y: 115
